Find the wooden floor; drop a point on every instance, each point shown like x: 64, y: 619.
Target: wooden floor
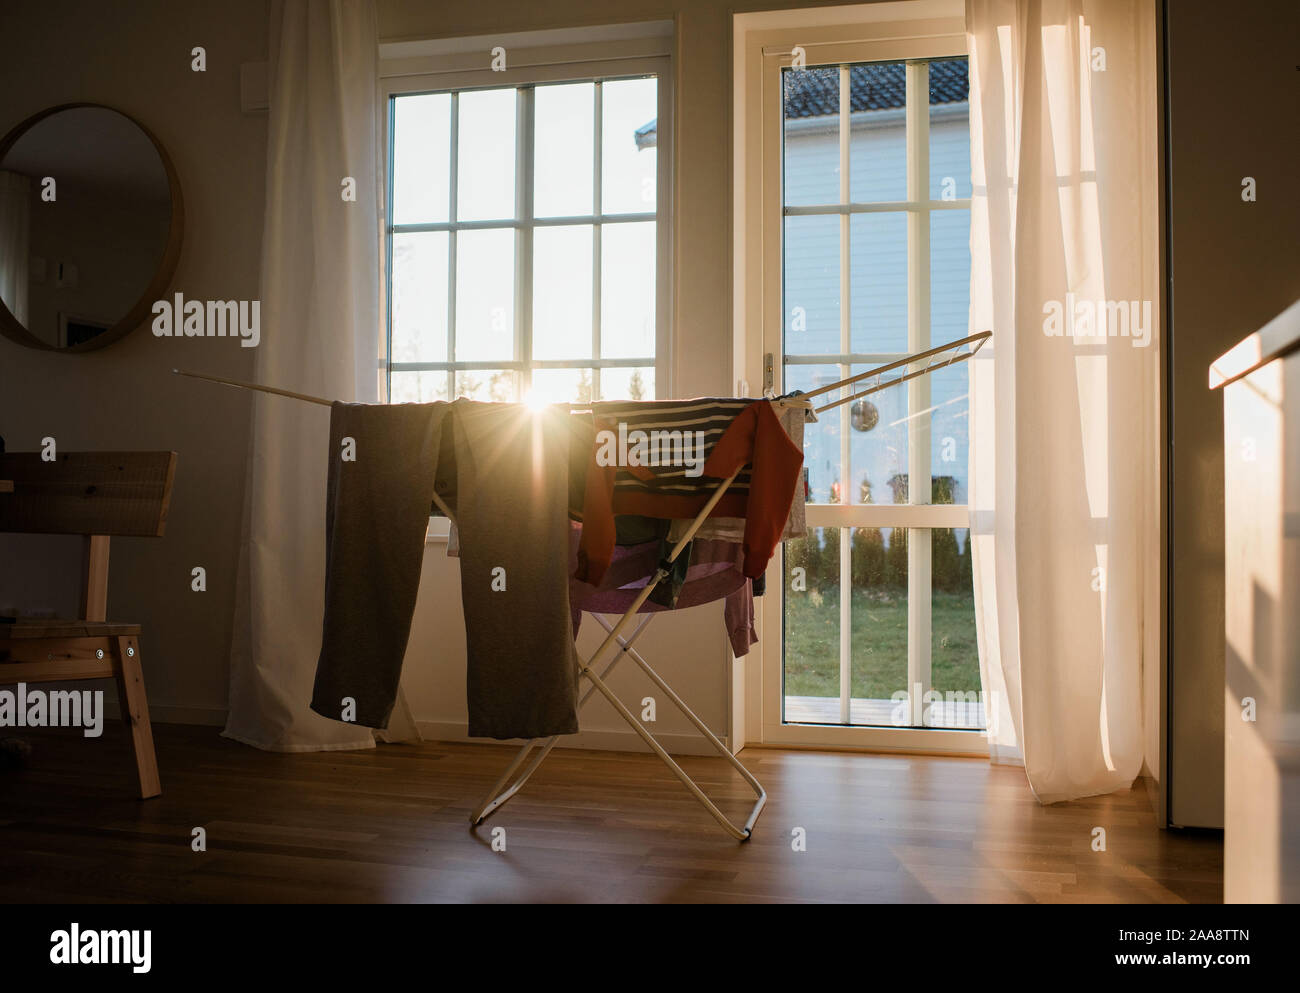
x: 391, y: 824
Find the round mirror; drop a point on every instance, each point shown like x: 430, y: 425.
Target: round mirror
x: 90, y: 227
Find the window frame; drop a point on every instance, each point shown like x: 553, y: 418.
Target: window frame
x: 911, y: 43
x: 443, y: 73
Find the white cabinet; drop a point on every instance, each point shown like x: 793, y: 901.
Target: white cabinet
x: 1260, y: 382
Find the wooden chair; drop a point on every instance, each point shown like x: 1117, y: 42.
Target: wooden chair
x: 96, y: 494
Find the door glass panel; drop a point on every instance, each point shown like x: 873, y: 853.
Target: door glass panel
x: 821, y: 441
x: 949, y: 130
x: 878, y: 283
x: 878, y: 579
x: 810, y: 113
x: 812, y: 285
x: 812, y: 627
x: 878, y: 129
x: 954, y: 651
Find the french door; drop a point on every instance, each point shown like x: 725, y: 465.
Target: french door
x: 866, y: 260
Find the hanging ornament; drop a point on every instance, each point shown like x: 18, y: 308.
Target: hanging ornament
x: 863, y: 415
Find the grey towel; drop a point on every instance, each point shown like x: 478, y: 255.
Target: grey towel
x: 376, y: 516
x: 513, y: 481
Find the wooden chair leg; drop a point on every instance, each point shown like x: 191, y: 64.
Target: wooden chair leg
x: 135, y: 710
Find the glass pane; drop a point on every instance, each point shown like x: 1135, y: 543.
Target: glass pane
x: 417, y: 387
x: 812, y: 627
x: 821, y: 441
x: 420, y: 280
x: 562, y: 273
x: 485, y: 172
x: 560, y: 386
x: 628, y: 384
x: 629, y: 115
x: 878, y: 132
x: 878, y: 283
x: 485, y: 295
x: 565, y: 132
x: 810, y: 113
x: 812, y: 285
x: 496, y: 385
x: 421, y: 158
x: 954, y: 653
x: 878, y: 571
x: 949, y: 130
x: 949, y: 275
x: 949, y: 433
x: 627, y: 290
x: 878, y: 432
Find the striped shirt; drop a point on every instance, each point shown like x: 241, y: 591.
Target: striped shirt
x: 725, y: 435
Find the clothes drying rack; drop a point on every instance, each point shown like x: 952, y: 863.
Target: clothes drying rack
x: 512, y: 779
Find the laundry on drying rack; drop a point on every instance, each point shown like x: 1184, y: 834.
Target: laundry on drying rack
x: 520, y: 661
x: 713, y: 571
x: 738, y: 434
x: 376, y: 517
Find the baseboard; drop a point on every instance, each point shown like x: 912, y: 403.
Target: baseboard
x: 213, y: 717
x: 597, y: 739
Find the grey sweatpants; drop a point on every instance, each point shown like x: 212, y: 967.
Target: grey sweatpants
x: 510, y: 472
x: 512, y: 479
x: 376, y: 517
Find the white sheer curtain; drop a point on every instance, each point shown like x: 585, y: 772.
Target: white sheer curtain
x: 1065, y: 453
x: 320, y: 335
x: 15, y: 228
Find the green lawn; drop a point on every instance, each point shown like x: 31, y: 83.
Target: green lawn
x: 812, y: 666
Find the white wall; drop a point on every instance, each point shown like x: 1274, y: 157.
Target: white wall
x: 136, y: 57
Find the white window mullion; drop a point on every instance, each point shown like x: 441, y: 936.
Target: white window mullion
x: 524, y: 235
x: 596, y: 211
x: 918, y: 390
x: 846, y: 346
x: 453, y: 175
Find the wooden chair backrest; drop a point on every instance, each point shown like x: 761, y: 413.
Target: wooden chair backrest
x: 90, y: 493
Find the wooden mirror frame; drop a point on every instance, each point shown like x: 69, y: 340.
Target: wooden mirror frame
x: 14, y: 330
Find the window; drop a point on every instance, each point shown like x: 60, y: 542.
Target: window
x: 855, y: 253
x: 880, y: 623
x: 525, y: 241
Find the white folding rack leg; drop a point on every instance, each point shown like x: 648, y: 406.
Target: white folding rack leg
x: 761, y: 794
x: 497, y: 798
x: 499, y: 794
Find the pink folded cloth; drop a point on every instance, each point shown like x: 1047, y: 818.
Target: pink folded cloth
x: 715, y: 573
